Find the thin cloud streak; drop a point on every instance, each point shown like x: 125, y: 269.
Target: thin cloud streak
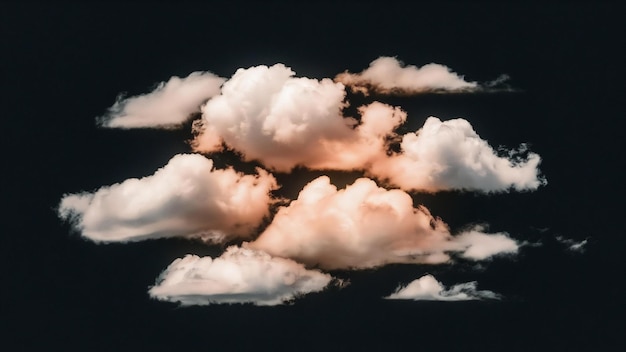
x: 168, y: 106
x: 388, y: 75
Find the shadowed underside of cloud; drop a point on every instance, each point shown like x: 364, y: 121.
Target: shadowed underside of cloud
x: 187, y: 197
x: 387, y: 75
x: 238, y: 276
x: 168, y: 106
x: 365, y: 226
x: 428, y: 288
x: 267, y: 114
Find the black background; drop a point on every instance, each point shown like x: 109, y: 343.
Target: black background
x: 63, y: 65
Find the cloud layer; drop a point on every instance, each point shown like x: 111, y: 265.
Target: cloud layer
x: 187, y: 197
x: 169, y: 105
x: 267, y: 114
x: 428, y: 288
x: 238, y: 276
x: 365, y: 226
x: 388, y: 75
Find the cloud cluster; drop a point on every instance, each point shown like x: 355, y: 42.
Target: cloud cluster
x: 388, y: 75
x: 364, y: 226
x: 429, y: 289
x: 284, y: 121
x: 187, y: 197
x: 169, y: 105
x: 239, y: 275
x: 267, y: 114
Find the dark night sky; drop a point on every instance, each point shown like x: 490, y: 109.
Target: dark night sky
x: 63, y: 65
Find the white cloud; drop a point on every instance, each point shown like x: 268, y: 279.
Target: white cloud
x: 572, y: 245
x: 284, y: 121
x: 187, y: 197
x: 169, y: 105
x: 428, y: 288
x: 479, y: 246
x: 365, y: 226
x: 388, y: 75
x: 451, y: 155
x: 238, y: 276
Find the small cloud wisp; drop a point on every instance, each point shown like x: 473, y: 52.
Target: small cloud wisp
x: 427, y: 288
x: 168, y: 106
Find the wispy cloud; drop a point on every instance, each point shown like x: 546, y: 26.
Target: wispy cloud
x: 428, y: 288
x: 239, y: 275
x: 168, y: 106
x: 572, y: 245
x: 188, y: 197
x: 387, y: 75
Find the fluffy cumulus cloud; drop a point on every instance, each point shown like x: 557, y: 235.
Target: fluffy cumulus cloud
x: 169, y: 105
x: 388, y: 75
x: 365, y: 226
x: 238, y: 276
x: 283, y: 121
x: 187, y: 197
x: 428, y: 288
x: 446, y: 155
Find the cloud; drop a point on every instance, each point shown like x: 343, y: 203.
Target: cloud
x: 284, y: 121
x: 572, y: 245
x: 388, y: 75
x: 428, y: 288
x: 445, y: 155
x: 239, y: 275
x: 480, y: 246
x: 365, y: 226
x: 267, y: 114
x: 169, y: 105
x: 187, y: 197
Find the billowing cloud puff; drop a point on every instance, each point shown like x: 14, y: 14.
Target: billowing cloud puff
x: 169, y: 105
x: 238, y: 276
x: 388, y: 75
x: 451, y: 155
x: 284, y: 121
x: 428, y: 288
x: 365, y: 226
x: 187, y: 197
